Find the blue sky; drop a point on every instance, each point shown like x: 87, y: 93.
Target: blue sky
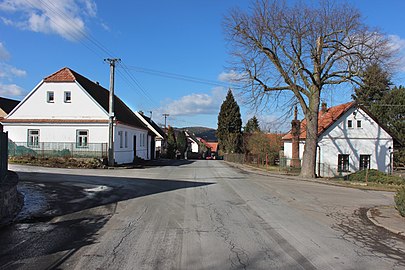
x: 156, y: 40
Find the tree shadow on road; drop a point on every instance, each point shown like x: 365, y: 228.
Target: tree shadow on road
x: 76, y: 207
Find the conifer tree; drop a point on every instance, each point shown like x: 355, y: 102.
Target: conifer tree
x: 181, y: 142
x: 229, y: 125
x: 171, y: 143
x: 252, y: 125
x: 375, y: 84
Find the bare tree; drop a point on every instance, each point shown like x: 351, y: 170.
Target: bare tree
x: 301, y: 48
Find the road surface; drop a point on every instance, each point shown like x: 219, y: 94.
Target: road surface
x: 193, y: 215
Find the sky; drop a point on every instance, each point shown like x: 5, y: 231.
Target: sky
x: 174, y: 54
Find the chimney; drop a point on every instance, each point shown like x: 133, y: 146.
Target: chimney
x: 324, y: 107
x: 295, y: 131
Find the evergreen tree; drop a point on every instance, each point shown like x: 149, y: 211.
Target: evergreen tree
x: 181, y: 142
x: 252, y: 125
x: 171, y: 143
x: 229, y: 125
x: 391, y: 112
x: 375, y: 84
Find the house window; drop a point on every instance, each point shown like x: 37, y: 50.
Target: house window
x: 359, y: 123
x: 343, y: 163
x: 364, y: 162
x: 68, y: 97
x: 50, y: 97
x: 120, y: 136
x: 82, y: 138
x: 349, y: 123
x: 33, y: 137
x: 126, y: 139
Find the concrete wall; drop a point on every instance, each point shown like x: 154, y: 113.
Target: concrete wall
x: 10, y: 200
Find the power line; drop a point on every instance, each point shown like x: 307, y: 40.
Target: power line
x: 180, y: 76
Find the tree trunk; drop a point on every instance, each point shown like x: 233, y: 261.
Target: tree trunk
x: 309, y: 157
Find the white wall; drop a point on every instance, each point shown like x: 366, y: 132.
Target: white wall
x: 369, y: 139
x: 125, y: 154
x: 81, y: 106
x: 98, y: 133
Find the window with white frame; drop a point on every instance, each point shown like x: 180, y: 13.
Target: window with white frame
x: 120, y: 137
x: 349, y: 123
x: 82, y: 138
x: 50, y: 97
x: 68, y: 96
x: 126, y: 139
x: 33, y: 138
x: 359, y: 123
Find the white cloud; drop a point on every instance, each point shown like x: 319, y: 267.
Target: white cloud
x: 231, y: 76
x: 397, y: 45
x: 8, y: 72
x: 194, y: 104
x: 10, y: 90
x: 62, y: 17
x: 4, y: 54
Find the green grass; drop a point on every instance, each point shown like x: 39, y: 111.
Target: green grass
x: 400, y: 201
x: 374, y: 176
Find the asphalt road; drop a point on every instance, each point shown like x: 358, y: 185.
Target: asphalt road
x: 193, y: 215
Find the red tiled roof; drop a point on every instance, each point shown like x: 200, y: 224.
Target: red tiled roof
x: 325, y: 120
x: 63, y: 75
x: 212, y: 145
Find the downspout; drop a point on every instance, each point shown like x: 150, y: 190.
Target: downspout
x: 319, y: 160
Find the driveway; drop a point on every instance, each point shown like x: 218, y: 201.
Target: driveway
x: 193, y: 215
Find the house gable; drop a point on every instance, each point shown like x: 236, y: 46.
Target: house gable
x: 89, y: 101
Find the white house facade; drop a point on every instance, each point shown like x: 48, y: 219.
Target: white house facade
x: 349, y: 139
x: 157, y: 136
x: 67, y: 111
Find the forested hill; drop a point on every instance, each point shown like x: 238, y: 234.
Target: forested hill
x: 207, y: 134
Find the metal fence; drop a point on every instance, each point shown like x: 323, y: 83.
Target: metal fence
x: 262, y: 160
x: 57, y: 149
x: 3, y: 155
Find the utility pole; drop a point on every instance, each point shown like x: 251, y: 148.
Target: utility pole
x: 165, y: 115
x: 112, y: 62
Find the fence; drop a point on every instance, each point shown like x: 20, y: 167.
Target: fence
x: 3, y: 155
x: 268, y: 161
x: 57, y: 149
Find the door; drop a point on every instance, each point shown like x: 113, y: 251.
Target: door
x: 134, y: 145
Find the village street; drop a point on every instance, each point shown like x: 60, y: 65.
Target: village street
x: 193, y: 215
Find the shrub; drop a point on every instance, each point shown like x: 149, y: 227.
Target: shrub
x: 400, y: 201
x: 376, y: 177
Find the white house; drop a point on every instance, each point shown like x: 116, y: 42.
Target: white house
x: 157, y: 137
x: 349, y: 139
x: 68, y: 111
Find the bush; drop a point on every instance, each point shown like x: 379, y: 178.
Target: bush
x: 400, y: 201
x: 375, y: 176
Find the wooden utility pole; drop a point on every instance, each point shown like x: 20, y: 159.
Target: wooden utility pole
x: 112, y: 62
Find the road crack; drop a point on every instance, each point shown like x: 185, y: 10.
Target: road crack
x: 127, y: 231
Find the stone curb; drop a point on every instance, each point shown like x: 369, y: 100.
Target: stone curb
x: 375, y: 222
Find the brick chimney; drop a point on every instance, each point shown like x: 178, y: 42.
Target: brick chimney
x: 295, y: 132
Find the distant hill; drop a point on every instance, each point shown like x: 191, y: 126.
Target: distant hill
x: 207, y: 134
